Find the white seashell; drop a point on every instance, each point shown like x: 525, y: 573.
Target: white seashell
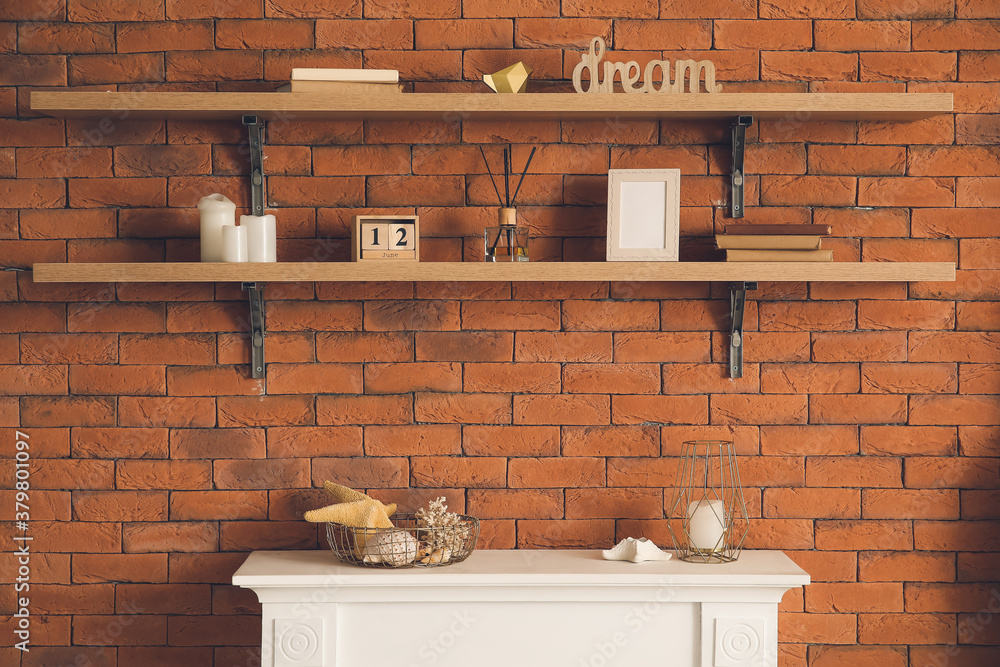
x: 635, y: 550
x: 392, y: 547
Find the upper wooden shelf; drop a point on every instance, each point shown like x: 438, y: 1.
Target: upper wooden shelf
x: 491, y: 106
x: 484, y: 271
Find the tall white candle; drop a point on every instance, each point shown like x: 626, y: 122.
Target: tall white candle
x: 706, y: 524
x: 216, y: 211
x: 234, y: 244
x: 261, y: 237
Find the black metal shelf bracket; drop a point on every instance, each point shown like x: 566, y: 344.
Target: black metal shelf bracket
x: 256, y: 291
x: 255, y: 127
x: 740, y: 125
x: 737, y: 304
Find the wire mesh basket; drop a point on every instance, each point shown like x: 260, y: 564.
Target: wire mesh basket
x: 406, y: 545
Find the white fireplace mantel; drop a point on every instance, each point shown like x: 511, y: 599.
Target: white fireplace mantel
x: 531, y: 608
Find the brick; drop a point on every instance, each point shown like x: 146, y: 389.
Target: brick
x: 464, y: 346
x: 216, y: 505
x: 857, y: 160
x: 906, y: 629
x: 610, y: 441
x: 516, y: 504
x: 599, y: 316
x: 364, y: 346
x: 864, y: 534
x: 860, y: 346
x: 906, y: 504
x: 67, y: 411
x: 119, y: 443
x: 713, y: 9
x: 973, y: 656
x: 76, y: 537
x: 977, y: 191
x: 975, y: 347
x: 565, y: 534
x: 807, y: 191
x: 111, y: 567
x: 868, y: 472
x: 392, y: 409
x: 707, y: 379
x: 854, y: 597
x: 304, y: 316
x: 173, y: 349
x: 314, y: 378
x: 791, y: 503
x: 774, y: 35
x: 951, y: 160
x: 266, y: 34
x: 211, y: 443
x: 690, y: 347
x: 562, y: 409
x: 269, y: 411
x: 978, y: 254
x: 660, y: 409
x: 932, y: 472
x: 955, y: 535
x: 166, y: 411
x: 977, y: 66
x: 405, y: 377
x: 125, y: 68
x: 510, y: 440
x: 423, y: 315
x: 33, y: 70
x: 828, y: 628
x: 33, y: 379
x: 956, y: 35
x: 905, y: 566
x: 172, y: 475
x: 261, y: 474
x: 33, y: 193
x: 164, y: 36
x: 120, y: 505
x: 170, y: 537
x: 826, y: 566
x: 948, y: 410
x: 909, y: 440
x: 885, y: 9
x: 532, y: 378
x: 809, y: 378
x: 745, y: 439
x: 808, y: 66
x: 862, y: 35
x: 930, y: 131
x: 362, y: 472
x: 135, y: 161
x: 479, y: 472
x: 413, y: 440
x: 212, y: 630
x: 977, y: 317
x: 562, y: 346
x: 510, y: 315
x: 614, y: 503
x: 464, y: 34
x: 611, y: 378
x: 385, y: 33
x: 290, y: 442
x: 909, y: 378
x: 909, y: 66
x: 857, y: 409
x: 859, y: 656
x: 117, y: 380
x: 560, y: 32
x: 751, y: 409
x: 352, y: 160
x: 564, y: 471
x: 35, y: 10
x: 979, y: 378
x: 905, y: 315
x: 462, y: 408
x: 127, y: 192
x: 214, y: 65
x: 32, y: 132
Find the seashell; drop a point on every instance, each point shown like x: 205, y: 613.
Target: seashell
x: 436, y: 557
x: 392, y: 547
x: 635, y: 550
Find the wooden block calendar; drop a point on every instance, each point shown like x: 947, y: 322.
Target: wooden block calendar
x: 390, y: 238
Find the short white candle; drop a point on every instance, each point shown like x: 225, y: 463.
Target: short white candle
x: 216, y: 211
x: 234, y: 244
x: 261, y: 237
x: 706, y: 524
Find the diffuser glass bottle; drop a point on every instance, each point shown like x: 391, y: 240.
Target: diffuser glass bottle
x: 506, y: 242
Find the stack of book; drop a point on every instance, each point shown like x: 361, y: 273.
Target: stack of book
x: 774, y: 243
x: 357, y: 81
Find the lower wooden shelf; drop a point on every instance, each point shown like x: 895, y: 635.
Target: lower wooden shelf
x: 485, y: 272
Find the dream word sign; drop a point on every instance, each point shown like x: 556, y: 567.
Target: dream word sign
x: 630, y: 73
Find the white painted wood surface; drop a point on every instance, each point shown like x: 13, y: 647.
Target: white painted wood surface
x: 501, y: 608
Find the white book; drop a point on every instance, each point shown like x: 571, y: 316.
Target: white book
x: 328, y: 74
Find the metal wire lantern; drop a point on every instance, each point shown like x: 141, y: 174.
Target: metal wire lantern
x: 709, y: 505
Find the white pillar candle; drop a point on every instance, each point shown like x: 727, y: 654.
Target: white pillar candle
x: 234, y: 244
x: 262, y: 237
x: 216, y: 212
x: 706, y: 524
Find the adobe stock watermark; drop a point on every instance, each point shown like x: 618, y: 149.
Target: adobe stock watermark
x: 22, y: 541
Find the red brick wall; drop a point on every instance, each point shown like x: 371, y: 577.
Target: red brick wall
x: 867, y: 418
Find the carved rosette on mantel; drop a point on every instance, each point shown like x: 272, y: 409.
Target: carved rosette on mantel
x: 630, y: 74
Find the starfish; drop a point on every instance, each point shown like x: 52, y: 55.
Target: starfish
x: 343, y: 494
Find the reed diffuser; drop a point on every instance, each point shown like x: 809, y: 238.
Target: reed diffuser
x: 507, y: 242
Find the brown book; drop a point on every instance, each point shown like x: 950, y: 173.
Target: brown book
x: 779, y: 255
x: 767, y: 242
x: 341, y: 87
x: 813, y: 230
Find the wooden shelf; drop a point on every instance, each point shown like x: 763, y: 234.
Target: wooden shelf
x: 480, y: 272
x: 489, y: 106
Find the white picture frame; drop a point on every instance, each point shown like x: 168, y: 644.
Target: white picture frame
x: 644, y: 207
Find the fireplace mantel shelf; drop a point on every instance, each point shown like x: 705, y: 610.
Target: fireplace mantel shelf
x: 170, y: 272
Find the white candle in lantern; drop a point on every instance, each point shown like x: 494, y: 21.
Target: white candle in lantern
x: 261, y: 237
x: 706, y: 524
x: 234, y: 244
x: 217, y: 211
